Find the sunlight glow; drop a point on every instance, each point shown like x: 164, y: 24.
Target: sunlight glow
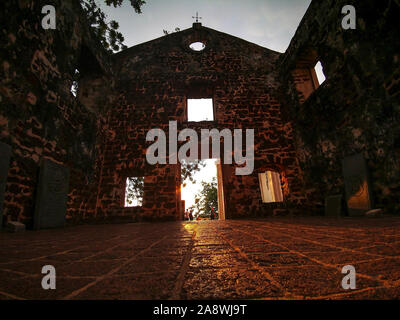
x: 197, y: 46
x: 134, y: 192
x: 200, y: 110
x: 320, y: 74
x: 205, y: 174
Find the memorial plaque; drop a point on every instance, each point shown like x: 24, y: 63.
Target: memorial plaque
x: 51, y: 200
x: 5, y: 154
x: 15, y: 226
x: 356, y: 180
x: 333, y: 206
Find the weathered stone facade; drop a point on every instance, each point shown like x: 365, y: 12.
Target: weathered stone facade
x: 39, y: 117
x: 154, y: 81
x: 356, y: 110
x: 101, y: 134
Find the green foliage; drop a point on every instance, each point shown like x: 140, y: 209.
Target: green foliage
x: 134, y: 191
x: 166, y: 32
x: 136, y: 4
x: 189, y: 169
x: 206, y: 199
x: 107, y: 33
x: 75, y: 83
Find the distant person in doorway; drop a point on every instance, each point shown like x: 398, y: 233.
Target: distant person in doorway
x: 190, y: 215
x: 212, y: 214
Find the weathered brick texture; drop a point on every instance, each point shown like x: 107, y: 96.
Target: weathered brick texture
x: 356, y: 110
x: 302, y: 130
x: 39, y: 117
x: 154, y: 81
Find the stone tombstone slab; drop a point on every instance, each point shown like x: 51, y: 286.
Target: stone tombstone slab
x: 357, y: 186
x: 333, y: 206
x: 5, y: 154
x: 15, y: 226
x: 52, y: 193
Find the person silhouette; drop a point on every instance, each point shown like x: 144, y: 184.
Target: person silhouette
x: 212, y: 215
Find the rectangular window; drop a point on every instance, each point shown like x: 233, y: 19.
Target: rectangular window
x: 134, y: 191
x: 270, y: 186
x: 320, y: 72
x: 75, y: 83
x: 200, y: 109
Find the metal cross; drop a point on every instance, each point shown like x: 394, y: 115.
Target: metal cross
x: 197, y: 17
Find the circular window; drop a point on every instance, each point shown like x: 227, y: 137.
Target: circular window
x: 197, y: 46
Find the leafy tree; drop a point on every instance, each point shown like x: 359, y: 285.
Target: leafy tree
x: 206, y: 199
x: 75, y: 83
x: 166, y: 32
x: 188, y: 169
x: 111, y: 39
x: 134, y: 191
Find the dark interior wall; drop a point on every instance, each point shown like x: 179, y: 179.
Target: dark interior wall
x: 356, y: 110
x: 39, y: 117
x: 153, y: 82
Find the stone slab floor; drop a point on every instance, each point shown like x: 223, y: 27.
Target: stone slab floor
x: 277, y: 258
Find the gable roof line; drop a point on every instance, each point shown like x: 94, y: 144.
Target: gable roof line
x: 123, y: 52
x: 237, y: 38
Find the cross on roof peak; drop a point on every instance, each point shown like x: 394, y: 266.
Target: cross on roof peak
x: 197, y: 17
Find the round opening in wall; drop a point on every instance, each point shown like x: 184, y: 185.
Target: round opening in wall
x: 197, y: 46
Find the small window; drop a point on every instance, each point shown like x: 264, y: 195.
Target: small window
x: 74, y: 86
x: 270, y: 186
x: 320, y: 73
x: 200, y: 110
x: 134, y: 191
x: 197, y: 46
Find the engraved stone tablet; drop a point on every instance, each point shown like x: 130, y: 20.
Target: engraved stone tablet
x: 51, y: 200
x: 5, y: 154
x: 15, y: 226
x: 333, y: 206
x: 358, y: 191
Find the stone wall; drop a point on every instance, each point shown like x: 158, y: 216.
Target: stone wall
x: 356, y: 110
x: 153, y: 82
x: 39, y: 117
x: 302, y: 129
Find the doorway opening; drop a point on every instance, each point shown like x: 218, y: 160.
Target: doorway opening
x: 203, y: 192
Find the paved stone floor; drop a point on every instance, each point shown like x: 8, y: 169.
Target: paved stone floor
x: 277, y: 258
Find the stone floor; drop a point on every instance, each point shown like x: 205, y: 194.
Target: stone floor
x: 277, y: 258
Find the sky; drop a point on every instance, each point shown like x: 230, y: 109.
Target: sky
x: 268, y: 23
x: 206, y: 174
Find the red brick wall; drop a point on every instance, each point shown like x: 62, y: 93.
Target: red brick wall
x: 153, y: 81
x: 356, y: 110
x: 39, y: 117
